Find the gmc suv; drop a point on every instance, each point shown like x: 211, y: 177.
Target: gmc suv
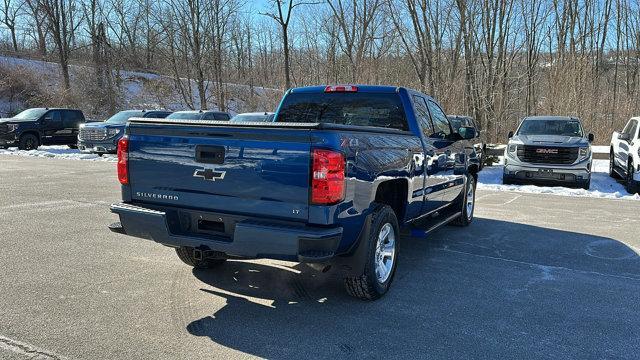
x: 41, y: 126
x: 549, y: 150
x: 102, y: 137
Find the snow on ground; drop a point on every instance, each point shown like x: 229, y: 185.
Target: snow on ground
x: 59, y: 152
x: 600, y: 149
x: 602, y: 185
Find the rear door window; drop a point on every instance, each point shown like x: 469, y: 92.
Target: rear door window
x: 359, y: 109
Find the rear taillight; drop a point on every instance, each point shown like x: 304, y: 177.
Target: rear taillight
x: 340, y: 88
x: 327, y: 177
x: 123, y: 160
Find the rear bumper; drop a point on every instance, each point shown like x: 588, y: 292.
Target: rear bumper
x: 250, y: 238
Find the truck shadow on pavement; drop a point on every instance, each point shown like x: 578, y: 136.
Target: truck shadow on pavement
x: 516, y: 291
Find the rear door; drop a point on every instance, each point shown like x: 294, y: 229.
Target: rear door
x: 71, y: 120
x: 446, y: 167
x: 431, y: 183
x: 253, y: 171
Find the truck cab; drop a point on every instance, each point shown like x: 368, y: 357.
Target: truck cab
x: 329, y: 182
x: 41, y: 126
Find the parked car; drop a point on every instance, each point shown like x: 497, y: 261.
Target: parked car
x: 41, y: 126
x: 549, y: 150
x: 102, y: 137
x: 200, y: 115
x: 329, y: 183
x: 624, y: 155
x: 460, y: 121
x: 254, y: 117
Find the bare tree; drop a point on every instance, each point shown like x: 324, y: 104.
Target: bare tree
x: 10, y: 11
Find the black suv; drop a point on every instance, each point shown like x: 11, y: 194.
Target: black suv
x: 41, y: 126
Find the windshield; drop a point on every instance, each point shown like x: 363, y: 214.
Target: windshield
x: 185, y: 115
x: 252, y: 117
x: 30, y: 114
x: 551, y: 127
x: 123, y: 116
x: 360, y: 109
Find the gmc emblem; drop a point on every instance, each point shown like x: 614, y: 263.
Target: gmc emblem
x: 547, y: 151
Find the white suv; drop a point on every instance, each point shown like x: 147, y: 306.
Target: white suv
x: 624, y: 155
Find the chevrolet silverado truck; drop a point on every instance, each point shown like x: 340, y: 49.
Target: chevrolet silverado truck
x: 549, y: 150
x: 41, y: 126
x: 102, y: 137
x: 330, y: 182
x: 624, y: 155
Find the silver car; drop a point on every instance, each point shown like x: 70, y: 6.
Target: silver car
x: 549, y: 150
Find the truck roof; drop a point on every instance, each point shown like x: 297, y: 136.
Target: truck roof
x: 361, y: 88
x: 550, y: 117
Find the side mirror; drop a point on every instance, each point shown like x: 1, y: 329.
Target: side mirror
x: 624, y: 137
x: 467, y: 132
x: 591, y: 137
x: 510, y: 134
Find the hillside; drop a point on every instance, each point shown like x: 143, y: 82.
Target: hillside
x: 27, y: 83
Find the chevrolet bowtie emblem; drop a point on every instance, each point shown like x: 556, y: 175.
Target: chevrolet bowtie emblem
x: 209, y: 174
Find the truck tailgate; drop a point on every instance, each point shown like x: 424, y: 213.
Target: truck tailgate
x: 240, y: 170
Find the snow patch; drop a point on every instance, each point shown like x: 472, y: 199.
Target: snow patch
x: 602, y: 185
x: 59, y: 152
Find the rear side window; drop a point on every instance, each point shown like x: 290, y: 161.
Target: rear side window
x: 359, y: 109
x: 422, y: 114
x: 221, y: 116
x: 71, y: 119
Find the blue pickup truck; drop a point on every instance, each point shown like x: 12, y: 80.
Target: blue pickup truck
x: 330, y: 182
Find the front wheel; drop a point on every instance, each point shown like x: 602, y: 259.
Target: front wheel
x: 467, y: 202
x: 381, y: 257
x: 612, y: 166
x: 73, y: 146
x: 631, y: 185
x: 28, y: 142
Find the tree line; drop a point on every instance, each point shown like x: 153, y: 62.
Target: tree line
x: 495, y: 60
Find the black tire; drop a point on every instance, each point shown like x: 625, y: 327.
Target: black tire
x: 630, y: 184
x: 466, y: 214
x: 72, y: 146
x: 586, y: 185
x: 506, y: 180
x: 612, y: 166
x: 186, y: 255
x: 28, y: 142
x: 367, y: 286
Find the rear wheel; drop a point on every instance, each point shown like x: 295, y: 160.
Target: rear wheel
x: 381, y: 257
x: 467, y: 202
x: 28, y: 142
x: 187, y: 255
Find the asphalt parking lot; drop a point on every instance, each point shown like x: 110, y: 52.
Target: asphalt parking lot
x: 535, y: 276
